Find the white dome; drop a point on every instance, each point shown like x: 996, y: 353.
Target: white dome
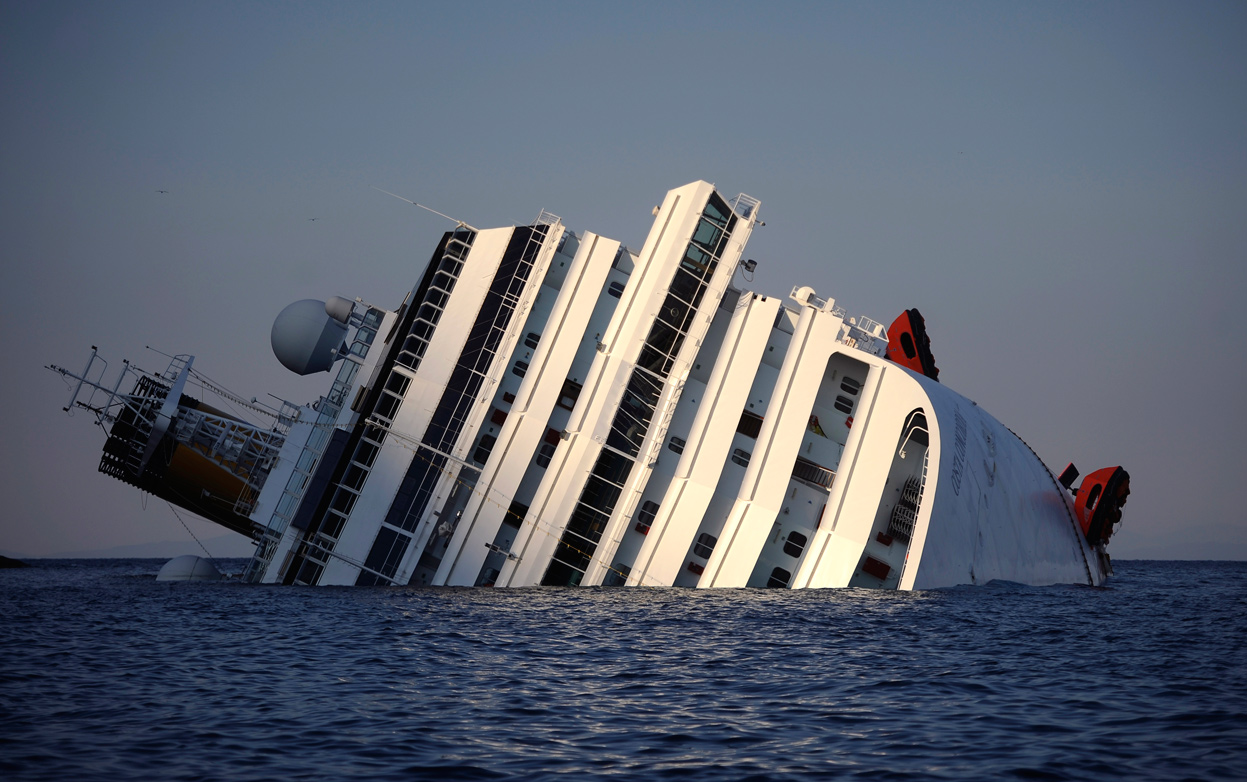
x: 305, y: 337
x: 188, y: 567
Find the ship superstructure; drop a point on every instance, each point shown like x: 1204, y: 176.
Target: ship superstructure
x: 551, y: 408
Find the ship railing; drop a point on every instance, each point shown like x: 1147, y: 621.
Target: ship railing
x: 812, y: 474
x: 922, y: 484
x: 245, y: 451
x: 669, y: 401
x: 296, y: 484
x: 745, y: 205
x: 176, y: 366
x: 547, y: 218
x: 863, y: 333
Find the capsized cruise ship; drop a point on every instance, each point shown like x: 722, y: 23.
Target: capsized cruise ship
x: 553, y: 408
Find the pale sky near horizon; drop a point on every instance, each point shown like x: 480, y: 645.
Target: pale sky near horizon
x: 1060, y: 188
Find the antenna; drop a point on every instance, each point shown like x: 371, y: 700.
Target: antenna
x: 422, y: 206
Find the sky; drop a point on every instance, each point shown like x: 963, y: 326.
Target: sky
x: 1060, y: 188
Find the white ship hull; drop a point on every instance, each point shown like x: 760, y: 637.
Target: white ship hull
x: 554, y: 409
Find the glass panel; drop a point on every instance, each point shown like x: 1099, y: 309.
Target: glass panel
x: 779, y: 578
x: 366, y: 453
x: 346, y: 373
x: 613, y: 467
x: 600, y: 495
x: 662, y: 337
x: 588, y: 524
x: 707, y: 235
x: 716, y: 210
x: 343, y: 501
x: 705, y: 545
x: 354, y: 477
x: 684, y: 285
x: 387, y: 405
x: 695, y: 261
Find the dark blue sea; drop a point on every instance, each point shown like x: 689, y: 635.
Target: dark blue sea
x: 107, y: 674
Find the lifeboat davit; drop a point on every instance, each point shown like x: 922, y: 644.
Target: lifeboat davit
x: 1098, y: 501
x: 909, y: 345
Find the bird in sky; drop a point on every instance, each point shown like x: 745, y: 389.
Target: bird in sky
x: 162, y: 191
x: 312, y: 219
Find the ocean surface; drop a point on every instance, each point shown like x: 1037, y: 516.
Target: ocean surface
x: 107, y: 674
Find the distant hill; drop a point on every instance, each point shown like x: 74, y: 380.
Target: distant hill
x: 229, y: 545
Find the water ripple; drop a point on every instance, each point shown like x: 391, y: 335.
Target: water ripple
x: 109, y: 674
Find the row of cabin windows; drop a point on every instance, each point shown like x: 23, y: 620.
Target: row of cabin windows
x: 636, y: 409
x: 430, y: 309
x: 739, y: 455
x: 352, y: 483
x: 851, y: 387
x: 704, y: 546
x: 567, y: 396
x: 645, y: 516
x: 548, y: 445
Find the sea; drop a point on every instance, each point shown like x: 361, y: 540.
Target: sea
x: 108, y: 674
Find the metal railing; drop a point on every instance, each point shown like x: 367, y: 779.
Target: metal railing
x: 813, y: 474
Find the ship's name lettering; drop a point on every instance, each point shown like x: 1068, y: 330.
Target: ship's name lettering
x: 959, y: 450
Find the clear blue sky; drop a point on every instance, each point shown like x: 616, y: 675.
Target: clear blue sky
x: 1059, y: 187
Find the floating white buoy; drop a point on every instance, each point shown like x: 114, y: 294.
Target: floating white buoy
x: 188, y: 567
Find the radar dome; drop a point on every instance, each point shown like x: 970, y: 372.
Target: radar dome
x: 188, y: 567
x: 305, y: 337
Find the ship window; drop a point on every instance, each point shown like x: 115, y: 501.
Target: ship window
x: 436, y: 298
x: 387, y: 406
x: 615, y: 289
x: 795, y: 544
x: 645, y: 516
x: 569, y: 394
x: 366, y: 453
x: 704, y: 546
x: 373, y: 318
x: 707, y: 235
x: 617, y: 576
x: 750, y: 425
x: 498, y: 417
x: 398, y: 383
x: 333, y: 525
x: 779, y: 578
x: 695, y: 261
x: 685, y: 286
x: 374, y: 434
x: 850, y: 386
x: 355, y: 476
x: 515, y: 514
x: 544, y: 454
x: 844, y: 404
x: 532, y: 339
x: 676, y: 444
x: 741, y: 457
x: 520, y: 368
x: 343, y: 501
x: 508, y: 397
x: 482, y: 450
x: 365, y: 335
x: 347, y: 373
